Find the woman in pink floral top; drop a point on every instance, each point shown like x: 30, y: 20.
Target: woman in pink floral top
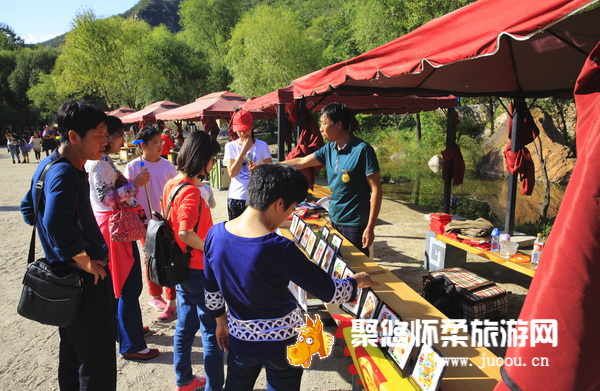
x: 106, y: 183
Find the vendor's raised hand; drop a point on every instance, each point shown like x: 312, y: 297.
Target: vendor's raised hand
x: 142, y: 179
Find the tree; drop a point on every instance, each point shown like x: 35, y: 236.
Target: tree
x: 9, y: 40
x: 29, y: 64
x: 207, y: 25
x: 171, y: 69
x: 44, y: 98
x: 101, y: 57
x: 268, y: 49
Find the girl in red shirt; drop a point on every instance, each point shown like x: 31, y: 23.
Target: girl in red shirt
x: 190, y: 219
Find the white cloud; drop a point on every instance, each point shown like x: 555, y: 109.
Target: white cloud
x: 36, y: 38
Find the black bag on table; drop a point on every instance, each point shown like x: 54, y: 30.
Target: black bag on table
x: 459, y: 293
x: 167, y: 264
x: 51, y: 293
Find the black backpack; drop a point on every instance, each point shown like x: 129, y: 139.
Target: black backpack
x: 167, y: 264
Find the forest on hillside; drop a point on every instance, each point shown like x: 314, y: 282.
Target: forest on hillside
x: 250, y: 47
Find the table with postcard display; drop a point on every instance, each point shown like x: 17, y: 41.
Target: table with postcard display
x: 382, y: 368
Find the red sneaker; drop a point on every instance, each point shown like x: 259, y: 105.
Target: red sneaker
x: 196, y: 385
x: 159, y: 303
x: 168, y: 314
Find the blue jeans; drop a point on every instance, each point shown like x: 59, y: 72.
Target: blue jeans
x: 353, y: 234
x: 242, y: 372
x: 192, y: 316
x: 129, y: 315
x: 14, y: 152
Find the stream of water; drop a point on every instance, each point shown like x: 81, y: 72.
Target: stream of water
x: 477, y: 196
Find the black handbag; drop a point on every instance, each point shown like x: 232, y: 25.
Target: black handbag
x: 51, y: 292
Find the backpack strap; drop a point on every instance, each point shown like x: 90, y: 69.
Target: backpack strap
x: 174, y: 193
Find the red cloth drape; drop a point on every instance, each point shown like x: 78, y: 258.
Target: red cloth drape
x: 520, y: 161
x: 210, y: 126
x: 310, y: 140
x: 458, y: 164
x: 566, y: 286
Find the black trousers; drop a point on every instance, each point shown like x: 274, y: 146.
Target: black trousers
x: 87, y: 358
x: 353, y: 234
x: 235, y: 207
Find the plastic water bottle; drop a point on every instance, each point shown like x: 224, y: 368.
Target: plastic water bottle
x: 538, y: 246
x: 495, y: 243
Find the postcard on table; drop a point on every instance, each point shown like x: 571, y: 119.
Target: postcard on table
x: 428, y: 370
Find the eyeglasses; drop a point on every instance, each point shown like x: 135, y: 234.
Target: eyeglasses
x: 157, y: 143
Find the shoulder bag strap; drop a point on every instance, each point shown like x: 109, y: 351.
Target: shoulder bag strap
x: 39, y: 185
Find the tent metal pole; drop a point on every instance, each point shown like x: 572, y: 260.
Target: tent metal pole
x: 281, y: 132
x: 518, y: 120
x: 450, y: 142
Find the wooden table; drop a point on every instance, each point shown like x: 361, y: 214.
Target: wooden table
x: 319, y: 192
x: 409, y: 305
x: 525, y: 267
x: 127, y: 153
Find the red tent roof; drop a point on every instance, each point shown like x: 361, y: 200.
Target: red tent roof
x: 490, y: 47
x: 148, y: 113
x: 371, y: 104
x: 121, y: 112
x: 217, y: 104
x: 566, y: 286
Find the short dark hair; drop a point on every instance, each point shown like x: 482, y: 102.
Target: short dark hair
x: 195, y: 153
x: 114, y: 126
x: 78, y: 116
x: 337, y: 111
x: 147, y: 133
x: 270, y: 182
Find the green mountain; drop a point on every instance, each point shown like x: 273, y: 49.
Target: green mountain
x: 154, y: 12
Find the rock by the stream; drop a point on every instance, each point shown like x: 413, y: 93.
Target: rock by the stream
x: 550, y: 144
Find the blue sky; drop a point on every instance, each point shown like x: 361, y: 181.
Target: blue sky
x: 39, y: 20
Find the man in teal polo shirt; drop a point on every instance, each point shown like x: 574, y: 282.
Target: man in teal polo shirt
x: 353, y: 176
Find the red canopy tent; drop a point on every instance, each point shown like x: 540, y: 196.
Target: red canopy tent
x: 566, y: 287
x: 218, y: 104
x: 121, y: 112
x: 490, y: 47
x: 511, y: 48
x: 148, y: 113
x: 370, y: 104
x: 276, y: 101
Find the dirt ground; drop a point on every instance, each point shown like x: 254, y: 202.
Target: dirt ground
x: 29, y: 356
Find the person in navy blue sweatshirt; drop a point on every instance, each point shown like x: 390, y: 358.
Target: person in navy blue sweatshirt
x: 248, y: 267
x: 70, y: 235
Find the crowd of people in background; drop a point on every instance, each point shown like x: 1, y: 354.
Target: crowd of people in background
x: 21, y: 144
x: 230, y: 265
